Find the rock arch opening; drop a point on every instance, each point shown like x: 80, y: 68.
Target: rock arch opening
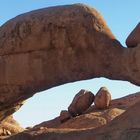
x: 48, y: 104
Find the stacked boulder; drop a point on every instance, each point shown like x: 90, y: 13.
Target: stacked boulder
x: 80, y: 103
x: 83, y: 100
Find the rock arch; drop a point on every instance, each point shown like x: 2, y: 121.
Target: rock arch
x: 52, y: 46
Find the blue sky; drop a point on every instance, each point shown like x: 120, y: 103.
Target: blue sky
x: 120, y: 15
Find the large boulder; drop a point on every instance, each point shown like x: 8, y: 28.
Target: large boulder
x: 102, y: 98
x: 52, y: 46
x: 81, y: 102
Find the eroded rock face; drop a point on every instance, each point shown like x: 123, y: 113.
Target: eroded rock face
x: 102, y: 98
x: 81, y: 102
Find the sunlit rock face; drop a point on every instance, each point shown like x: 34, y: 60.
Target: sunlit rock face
x: 52, y: 46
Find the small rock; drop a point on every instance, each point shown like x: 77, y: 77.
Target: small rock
x: 102, y: 98
x: 81, y: 102
x: 64, y: 116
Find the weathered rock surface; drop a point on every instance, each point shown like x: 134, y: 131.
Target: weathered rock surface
x: 102, y: 98
x: 113, y: 124
x: 58, y: 45
x: 81, y: 102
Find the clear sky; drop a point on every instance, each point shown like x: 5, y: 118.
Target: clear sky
x: 120, y: 15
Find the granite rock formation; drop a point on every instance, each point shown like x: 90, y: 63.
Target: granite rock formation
x: 81, y: 102
x: 52, y: 46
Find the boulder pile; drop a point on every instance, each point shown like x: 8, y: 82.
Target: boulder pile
x: 83, y: 101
